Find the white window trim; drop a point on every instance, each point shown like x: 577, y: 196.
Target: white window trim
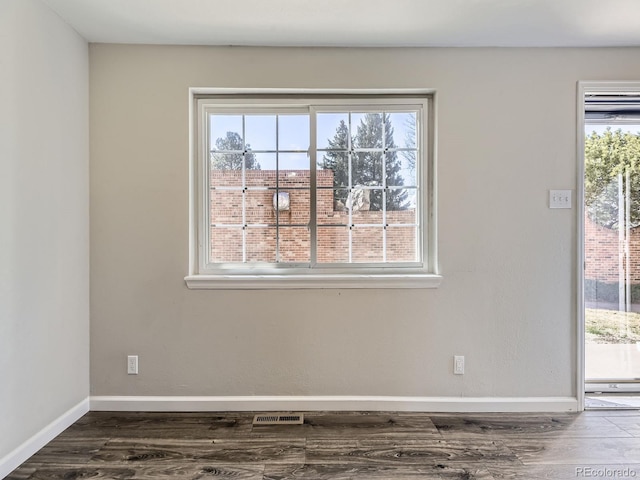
x: 424, y: 277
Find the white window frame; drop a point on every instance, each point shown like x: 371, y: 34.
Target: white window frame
x: 423, y: 274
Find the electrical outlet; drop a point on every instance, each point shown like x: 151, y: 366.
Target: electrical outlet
x: 458, y: 365
x: 132, y: 365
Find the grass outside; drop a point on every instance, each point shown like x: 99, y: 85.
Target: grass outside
x: 611, y: 326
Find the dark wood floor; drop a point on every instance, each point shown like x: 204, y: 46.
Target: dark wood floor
x: 145, y: 446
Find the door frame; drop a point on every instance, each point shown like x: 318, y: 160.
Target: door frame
x: 585, y: 87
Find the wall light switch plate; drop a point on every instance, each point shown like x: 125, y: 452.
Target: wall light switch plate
x: 559, y: 198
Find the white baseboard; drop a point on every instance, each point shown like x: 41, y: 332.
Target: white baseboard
x: 14, y: 459
x: 332, y: 403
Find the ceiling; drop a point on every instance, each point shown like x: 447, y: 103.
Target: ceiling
x: 389, y: 23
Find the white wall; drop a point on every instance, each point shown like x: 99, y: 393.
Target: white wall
x: 44, y: 220
x: 506, y: 134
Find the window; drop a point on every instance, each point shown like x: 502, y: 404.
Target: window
x: 312, y: 192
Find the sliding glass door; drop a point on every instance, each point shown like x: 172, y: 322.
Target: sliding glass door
x: 612, y: 242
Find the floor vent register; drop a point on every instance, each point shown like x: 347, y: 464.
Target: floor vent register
x: 277, y: 419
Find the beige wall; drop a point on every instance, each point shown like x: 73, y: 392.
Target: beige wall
x: 506, y: 134
x: 44, y: 220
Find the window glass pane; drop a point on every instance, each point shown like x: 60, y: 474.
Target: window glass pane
x: 366, y: 130
x: 261, y: 244
x: 226, y: 244
x: 401, y: 244
x: 363, y: 199
x: 294, y: 207
x: 259, y: 207
x: 226, y: 178
x: 404, y: 129
x: 260, y: 132
x: 294, y: 244
x: 377, y: 200
x: 401, y: 199
x: 293, y: 132
x: 400, y: 168
x: 225, y: 132
x: 261, y: 161
x: 293, y: 161
x: 333, y: 169
x: 226, y: 161
x: 330, y: 207
x: 366, y: 244
x: 332, y: 131
x: 333, y: 245
x: 263, y: 173
x: 294, y: 179
x: 226, y: 207
x: 366, y: 169
x: 371, y: 217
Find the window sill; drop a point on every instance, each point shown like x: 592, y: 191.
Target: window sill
x: 283, y: 282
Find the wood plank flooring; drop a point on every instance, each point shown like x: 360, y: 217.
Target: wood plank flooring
x: 340, y: 446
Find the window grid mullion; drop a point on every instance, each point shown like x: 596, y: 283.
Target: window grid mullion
x: 313, y: 185
x: 422, y: 173
x: 350, y: 194
x: 207, y: 187
x: 277, y: 189
x: 384, y: 191
x: 244, y: 193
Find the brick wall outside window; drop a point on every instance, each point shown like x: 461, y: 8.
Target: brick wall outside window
x: 226, y: 208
